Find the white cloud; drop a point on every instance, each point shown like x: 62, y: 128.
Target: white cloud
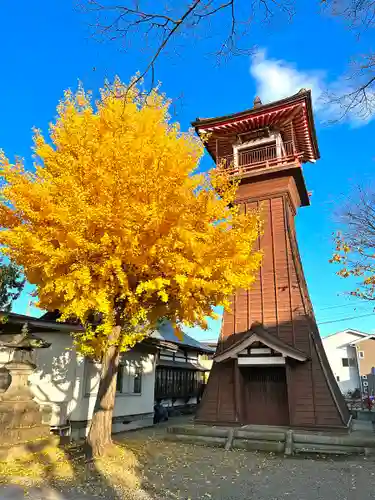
x: 276, y: 79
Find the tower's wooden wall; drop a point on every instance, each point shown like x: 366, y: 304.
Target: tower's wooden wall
x: 279, y: 300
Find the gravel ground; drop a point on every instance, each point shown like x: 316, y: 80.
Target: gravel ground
x: 171, y: 471
x: 189, y: 472
x: 33, y: 492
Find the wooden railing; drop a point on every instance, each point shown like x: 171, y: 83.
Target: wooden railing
x: 257, y: 155
x: 259, y: 158
x: 289, y: 148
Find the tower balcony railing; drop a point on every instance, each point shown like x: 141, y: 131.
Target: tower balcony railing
x: 260, y: 158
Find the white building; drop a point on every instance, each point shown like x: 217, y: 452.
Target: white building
x: 342, y: 353
x: 68, y: 383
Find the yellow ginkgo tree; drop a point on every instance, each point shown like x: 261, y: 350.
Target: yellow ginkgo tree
x: 114, y: 228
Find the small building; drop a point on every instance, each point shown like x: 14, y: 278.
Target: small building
x: 68, y: 383
x: 351, y: 354
x: 207, y: 359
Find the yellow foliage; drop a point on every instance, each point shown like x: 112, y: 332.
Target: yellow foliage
x: 114, y: 219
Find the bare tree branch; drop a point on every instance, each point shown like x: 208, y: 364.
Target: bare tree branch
x: 355, y: 244
x: 156, y: 27
x: 359, y: 99
x: 358, y: 14
x: 125, y: 21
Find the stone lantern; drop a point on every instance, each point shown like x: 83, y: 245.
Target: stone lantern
x: 21, y: 418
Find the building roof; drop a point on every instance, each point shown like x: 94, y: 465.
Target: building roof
x: 296, y: 109
x: 257, y: 333
x: 210, y: 343
x: 40, y: 324
x: 166, y: 332
x: 362, y: 339
x: 164, y: 335
x: 348, y: 330
x: 356, y: 337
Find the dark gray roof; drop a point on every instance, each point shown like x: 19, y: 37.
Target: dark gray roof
x: 39, y: 324
x: 166, y: 332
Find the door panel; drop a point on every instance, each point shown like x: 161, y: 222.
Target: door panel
x: 265, y: 395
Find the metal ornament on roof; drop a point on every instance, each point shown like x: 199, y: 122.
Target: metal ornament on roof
x: 257, y: 102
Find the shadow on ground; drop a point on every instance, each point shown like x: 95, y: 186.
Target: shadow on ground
x: 64, y: 473
x: 144, y: 466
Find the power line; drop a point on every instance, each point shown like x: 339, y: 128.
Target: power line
x: 327, y: 315
x: 345, y: 319
x: 361, y: 306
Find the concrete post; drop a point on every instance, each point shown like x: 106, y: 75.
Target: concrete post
x: 229, y: 442
x: 288, y: 443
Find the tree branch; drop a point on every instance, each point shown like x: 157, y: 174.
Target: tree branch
x: 159, y: 28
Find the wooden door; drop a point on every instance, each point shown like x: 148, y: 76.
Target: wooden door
x: 265, y: 396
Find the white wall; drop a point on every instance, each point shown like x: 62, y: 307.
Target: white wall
x: 125, y: 404
x: 338, y: 347
x: 59, y: 381
x: 55, y: 379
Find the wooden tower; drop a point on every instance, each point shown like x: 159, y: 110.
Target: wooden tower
x: 270, y: 367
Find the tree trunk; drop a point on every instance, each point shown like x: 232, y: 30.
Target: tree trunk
x: 100, y: 433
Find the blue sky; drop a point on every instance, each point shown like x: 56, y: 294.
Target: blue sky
x: 47, y: 47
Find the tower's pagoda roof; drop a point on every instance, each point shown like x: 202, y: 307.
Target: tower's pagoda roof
x: 295, y: 110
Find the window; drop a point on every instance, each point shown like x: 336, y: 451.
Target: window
x: 120, y: 378
x: 361, y: 354
x: 348, y: 362
x: 129, y: 377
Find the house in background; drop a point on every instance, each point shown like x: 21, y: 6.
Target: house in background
x: 366, y: 364
x: 351, y: 354
x: 68, y: 383
x: 208, y: 358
